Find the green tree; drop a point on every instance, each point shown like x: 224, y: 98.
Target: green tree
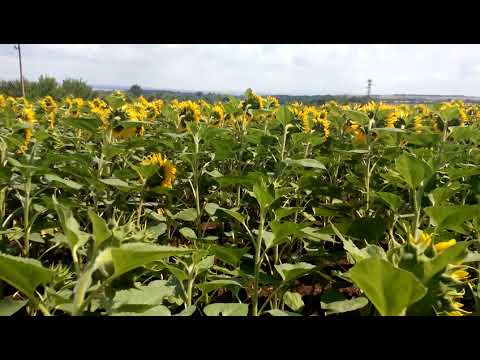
x: 77, y: 88
x: 136, y: 90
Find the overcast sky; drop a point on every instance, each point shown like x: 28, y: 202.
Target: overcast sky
x: 277, y: 69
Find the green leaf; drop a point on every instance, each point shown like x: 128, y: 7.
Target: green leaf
x: 218, y: 284
x: 8, y: 307
x: 293, y: 300
x: 343, y: 306
x: 75, y: 238
x: 116, y: 183
x: 262, y: 194
x: 152, y: 294
x: 204, y: 264
x: 284, y: 115
x: 450, y: 217
x: 357, y: 116
x: 89, y: 124
x: 230, y: 255
x: 226, y: 309
x: 392, y: 200
x: 100, y: 228
x: 188, y: 233
x: 309, y: 163
x: 391, y: 290
x: 413, y: 171
x: 282, y: 231
x: 158, y: 310
x: 132, y: 255
x: 186, y: 215
x: 23, y: 274
x: 189, y: 311
x: 283, y: 212
x: 452, y: 255
x: 290, y: 272
x: 239, y: 217
x: 276, y: 312
x: 69, y: 183
x: 211, y: 208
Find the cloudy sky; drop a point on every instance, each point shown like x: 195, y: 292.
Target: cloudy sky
x: 277, y: 69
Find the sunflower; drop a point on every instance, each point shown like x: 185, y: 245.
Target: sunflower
x: 188, y: 111
x: 424, y: 239
x: 218, y: 114
x: 102, y: 110
x: 442, y: 246
x: 27, y: 116
x: 169, y: 171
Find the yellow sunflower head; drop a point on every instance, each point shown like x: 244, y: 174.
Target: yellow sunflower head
x: 167, y: 169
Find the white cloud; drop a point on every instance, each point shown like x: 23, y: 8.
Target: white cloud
x: 295, y: 68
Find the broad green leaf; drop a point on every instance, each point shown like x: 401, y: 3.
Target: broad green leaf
x: 204, y: 264
x: 277, y: 312
x: 69, y: 183
x: 283, y: 212
x: 239, y: 217
x: 263, y: 195
x: 290, y: 272
x: 218, y: 284
x: 357, y: 116
x: 158, y: 310
x: 282, y: 230
x: 391, y: 290
x: 89, y: 124
x: 188, y: 233
x: 230, y: 255
x: 74, y: 237
x: 100, y: 228
x: 152, y: 294
x: 343, y: 306
x: 284, y: 115
x: 8, y: 307
x: 24, y: 274
x: 116, y: 183
x: 186, y: 215
x: 226, y: 309
x: 452, y: 255
x: 189, y: 311
x: 211, y: 208
x: 293, y: 300
x: 392, y: 200
x: 413, y: 171
x: 309, y: 163
x: 452, y: 216
x: 440, y: 195
x: 132, y: 255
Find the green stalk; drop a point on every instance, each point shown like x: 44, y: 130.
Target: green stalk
x: 258, y: 262
x: 190, y: 291
x: 26, y: 215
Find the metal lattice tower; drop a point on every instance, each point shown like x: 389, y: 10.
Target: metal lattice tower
x: 369, y: 87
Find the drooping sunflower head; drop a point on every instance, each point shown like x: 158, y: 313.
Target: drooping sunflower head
x: 48, y: 104
x: 162, y: 167
x: 273, y: 102
x: 218, y: 114
x: 188, y: 111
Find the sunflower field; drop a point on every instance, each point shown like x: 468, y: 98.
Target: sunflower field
x: 126, y: 207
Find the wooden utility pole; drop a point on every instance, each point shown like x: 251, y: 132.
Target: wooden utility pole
x: 369, y: 87
x: 17, y: 47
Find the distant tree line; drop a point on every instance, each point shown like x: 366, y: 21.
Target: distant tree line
x: 46, y: 85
